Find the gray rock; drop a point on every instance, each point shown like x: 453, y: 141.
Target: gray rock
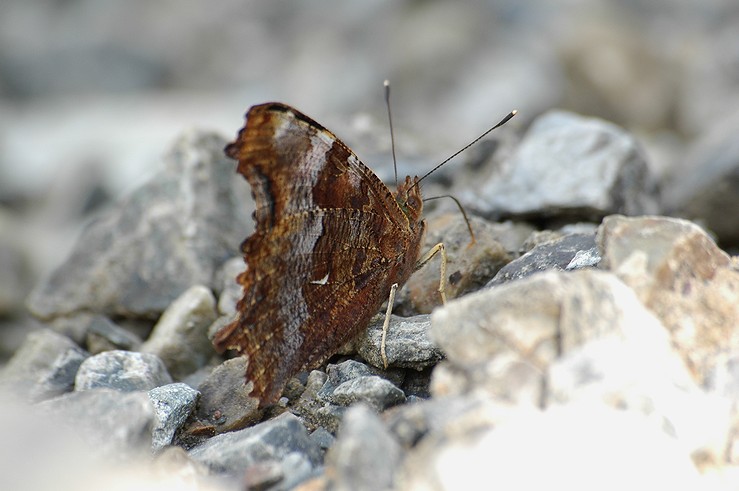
x: 682, y: 276
x: 74, y: 326
x: 45, y: 366
x: 180, y: 338
x: 570, y: 166
x: 230, y: 291
x: 705, y: 186
x: 283, y: 439
x: 171, y: 233
x: 224, y: 399
x: 125, y: 371
x: 376, y: 392
x: 407, y: 344
x: 323, y: 438
x: 564, y: 254
x: 329, y: 417
x: 312, y: 399
x: 351, y: 369
x: 13, y: 270
x: 365, y: 455
x: 116, y: 424
x: 416, y: 384
x: 173, y: 404
x: 319, y: 404
x: 105, y: 335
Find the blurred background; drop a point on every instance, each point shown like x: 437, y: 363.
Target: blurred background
x: 93, y: 92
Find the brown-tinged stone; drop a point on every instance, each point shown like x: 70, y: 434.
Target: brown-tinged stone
x: 682, y: 276
x: 496, y: 342
x: 469, y: 264
x: 224, y: 398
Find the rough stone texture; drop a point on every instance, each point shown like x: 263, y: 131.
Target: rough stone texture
x: 308, y: 405
x: 45, y: 366
x: 224, y: 399
x: 283, y: 439
x: 378, y: 393
x: 102, y: 334
x: 469, y: 264
x: 605, y: 448
x: 365, y: 455
x: 170, y: 234
x: 567, y: 253
x: 705, y: 186
x: 173, y: 404
x: 352, y: 369
x: 681, y: 275
x: 496, y: 342
x: 570, y: 166
x: 407, y: 344
x: 126, y: 371
x: 113, y: 423
x: 180, y: 338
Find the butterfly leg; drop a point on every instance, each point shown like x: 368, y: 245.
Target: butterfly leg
x: 386, y: 324
x: 437, y: 249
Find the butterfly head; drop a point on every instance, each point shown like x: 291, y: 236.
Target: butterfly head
x: 409, y: 199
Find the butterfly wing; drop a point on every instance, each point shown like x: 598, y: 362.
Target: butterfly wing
x: 329, y: 241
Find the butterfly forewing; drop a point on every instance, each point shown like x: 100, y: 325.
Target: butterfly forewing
x: 330, y: 239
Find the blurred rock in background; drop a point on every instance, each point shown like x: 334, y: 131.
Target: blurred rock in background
x: 624, y: 108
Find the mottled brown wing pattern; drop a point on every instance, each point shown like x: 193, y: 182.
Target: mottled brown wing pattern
x: 330, y: 239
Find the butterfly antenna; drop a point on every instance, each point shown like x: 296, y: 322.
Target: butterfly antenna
x: 392, y: 134
x: 500, y: 123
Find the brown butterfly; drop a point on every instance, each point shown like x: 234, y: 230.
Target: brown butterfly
x: 331, y: 243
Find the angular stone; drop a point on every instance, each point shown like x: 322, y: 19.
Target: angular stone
x: 173, y: 404
x: 235, y: 452
x: 567, y: 253
x: 116, y: 424
x: 570, y: 166
x: 503, y: 339
x: 407, y: 344
x: 372, y: 390
x: 102, y: 334
x: 365, y: 455
x: 224, y: 400
x: 680, y: 274
x: 180, y: 338
x: 168, y: 235
x: 125, y: 371
x: 44, y: 366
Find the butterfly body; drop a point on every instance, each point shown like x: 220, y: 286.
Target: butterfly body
x: 330, y: 241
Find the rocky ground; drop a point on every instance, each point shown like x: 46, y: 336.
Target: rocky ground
x: 590, y: 339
